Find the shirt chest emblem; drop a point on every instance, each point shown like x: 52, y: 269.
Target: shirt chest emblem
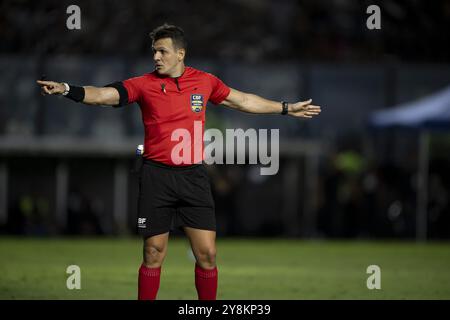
x: 196, y: 102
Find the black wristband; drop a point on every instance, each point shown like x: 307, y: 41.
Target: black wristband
x: 75, y: 93
x: 285, y: 109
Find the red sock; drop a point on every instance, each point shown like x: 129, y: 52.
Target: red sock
x: 206, y: 283
x: 148, y: 283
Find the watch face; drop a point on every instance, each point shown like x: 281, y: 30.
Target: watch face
x: 67, y: 88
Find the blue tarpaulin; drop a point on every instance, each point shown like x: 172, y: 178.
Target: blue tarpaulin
x: 424, y: 115
x: 430, y: 112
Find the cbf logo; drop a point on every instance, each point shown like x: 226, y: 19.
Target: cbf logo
x: 196, y: 102
x: 142, y: 223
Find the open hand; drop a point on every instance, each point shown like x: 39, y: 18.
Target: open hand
x: 303, y: 109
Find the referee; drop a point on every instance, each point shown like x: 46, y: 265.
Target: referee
x: 173, y: 194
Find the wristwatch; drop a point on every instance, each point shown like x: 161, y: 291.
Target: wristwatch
x: 67, y: 89
x: 285, y: 108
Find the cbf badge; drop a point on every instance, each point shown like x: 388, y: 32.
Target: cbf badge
x: 196, y: 102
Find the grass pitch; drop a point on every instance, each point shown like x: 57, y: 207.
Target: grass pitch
x: 248, y: 269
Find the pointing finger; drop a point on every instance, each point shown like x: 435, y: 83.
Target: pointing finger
x: 45, y: 83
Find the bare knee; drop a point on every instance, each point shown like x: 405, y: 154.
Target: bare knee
x: 206, y: 258
x: 154, y: 255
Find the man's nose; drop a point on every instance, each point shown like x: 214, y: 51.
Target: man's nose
x: 156, y: 56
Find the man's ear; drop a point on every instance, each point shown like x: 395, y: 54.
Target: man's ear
x: 181, y: 53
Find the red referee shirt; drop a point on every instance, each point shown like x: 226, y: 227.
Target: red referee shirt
x: 168, y: 104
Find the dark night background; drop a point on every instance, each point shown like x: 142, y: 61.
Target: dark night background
x: 66, y: 168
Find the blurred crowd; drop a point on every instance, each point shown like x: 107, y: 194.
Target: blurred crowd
x: 363, y: 200
x: 355, y: 199
x: 331, y: 30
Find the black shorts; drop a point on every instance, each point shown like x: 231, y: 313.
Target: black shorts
x: 174, y: 197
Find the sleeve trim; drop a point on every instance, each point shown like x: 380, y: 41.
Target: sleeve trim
x: 123, y: 93
x: 225, y: 95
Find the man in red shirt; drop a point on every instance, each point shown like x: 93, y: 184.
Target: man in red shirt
x: 175, y: 193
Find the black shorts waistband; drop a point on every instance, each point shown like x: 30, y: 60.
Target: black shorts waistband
x: 166, y: 166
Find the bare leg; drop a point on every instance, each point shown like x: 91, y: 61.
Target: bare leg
x: 203, y: 243
x: 155, y: 249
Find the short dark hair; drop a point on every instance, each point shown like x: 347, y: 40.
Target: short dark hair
x: 170, y: 31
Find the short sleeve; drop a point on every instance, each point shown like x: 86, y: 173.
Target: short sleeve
x: 129, y: 90
x: 133, y: 87
x: 219, y: 90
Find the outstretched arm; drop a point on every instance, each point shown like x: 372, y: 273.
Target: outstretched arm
x: 252, y: 103
x: 108, y: 96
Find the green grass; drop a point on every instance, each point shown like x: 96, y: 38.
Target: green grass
x: 248, y: 269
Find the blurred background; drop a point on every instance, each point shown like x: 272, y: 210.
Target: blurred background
x: 356, y: 171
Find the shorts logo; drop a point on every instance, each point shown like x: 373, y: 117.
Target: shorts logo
x: 142, y: 222
x: 196, y: 102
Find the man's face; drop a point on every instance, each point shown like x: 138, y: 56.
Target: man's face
x: 166, y: 57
